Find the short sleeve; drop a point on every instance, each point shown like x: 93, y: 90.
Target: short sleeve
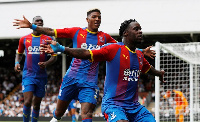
x: 146, y: 66
x: 109, y: 39
x: 106, y: 53
x: 21, y: 46
x: 65, y: 32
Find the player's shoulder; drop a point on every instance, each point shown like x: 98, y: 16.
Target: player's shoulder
x: 138, y: 51
x: 101, y: 32
x: 72, y: 28
x: 77, y: 28
x: 45, y: 36
x: 118, y: 44
x: 26, y: 36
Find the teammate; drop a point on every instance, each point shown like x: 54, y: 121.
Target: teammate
x: 34, y: 76
x: 123, y: 67
x: 72, y: 110
x: 80, y: 81
x: 181, y: 104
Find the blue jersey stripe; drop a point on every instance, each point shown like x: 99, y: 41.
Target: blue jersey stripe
x: 75, y: 40
x: 91, y: 39
x: 113, y: 66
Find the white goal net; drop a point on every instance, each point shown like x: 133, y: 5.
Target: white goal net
x: 179, y: 98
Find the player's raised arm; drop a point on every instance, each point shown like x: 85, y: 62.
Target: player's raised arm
x: 149, y: 53
x: 54, y: 47
x: 26, y: 24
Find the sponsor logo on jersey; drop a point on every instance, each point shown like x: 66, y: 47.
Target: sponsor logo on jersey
x: 89, y: 46
x: 34, y: 50
x: 131, y: 75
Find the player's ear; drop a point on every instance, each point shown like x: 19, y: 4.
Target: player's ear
x: 125, y: 33
x: 87, y: 19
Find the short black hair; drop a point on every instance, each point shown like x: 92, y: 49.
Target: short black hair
x: 93, y: 10
x: 36, y: 17
x: 124, y: 26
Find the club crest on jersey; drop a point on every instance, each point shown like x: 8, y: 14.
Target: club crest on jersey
x: 140, y: 60
x: 34, y: 50
x: 101, y: 39
x: 43, y: 41
x: 89, y: 46
x: 131, y: 75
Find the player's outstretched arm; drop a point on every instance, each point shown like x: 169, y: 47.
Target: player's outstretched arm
x: 54, y: 47
x: 22, y: 23
x: 149, y: 53
x: 26, y: 24
x: 159, y: 73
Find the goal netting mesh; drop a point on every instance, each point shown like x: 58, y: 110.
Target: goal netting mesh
x: 179, y: 97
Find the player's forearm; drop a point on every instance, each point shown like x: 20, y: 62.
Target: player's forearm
x: 42, y: 30
x: 78, y: 53
x: 155, y: 72
x: 52, y: 60
x: 45, y: 30
x: 18, y: 58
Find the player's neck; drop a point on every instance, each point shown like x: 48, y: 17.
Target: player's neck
x: 36, y: 33
x: 131, y: 46
x: 92, y: 30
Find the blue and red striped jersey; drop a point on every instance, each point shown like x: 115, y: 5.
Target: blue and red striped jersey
x: 123, y: 68
x: 84, y: 70
x: 31, y: 45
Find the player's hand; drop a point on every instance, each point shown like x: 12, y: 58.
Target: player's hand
x: 149, y: 53
x: 46, y: 47
x: 54, y: 47
x: 42, y: 65
x: 161, y: 77
x: 17, y: 68
x: 22, y: 23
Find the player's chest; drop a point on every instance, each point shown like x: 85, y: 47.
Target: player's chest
x: 130, y: 67
x: 34, y: 41
x: 90, y: 39
x: 32, y: 45
x: 130, y: 60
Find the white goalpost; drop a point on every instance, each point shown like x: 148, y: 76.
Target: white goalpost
x: 181, y: 62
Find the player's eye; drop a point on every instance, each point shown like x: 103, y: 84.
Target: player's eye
x: 39, y: 20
